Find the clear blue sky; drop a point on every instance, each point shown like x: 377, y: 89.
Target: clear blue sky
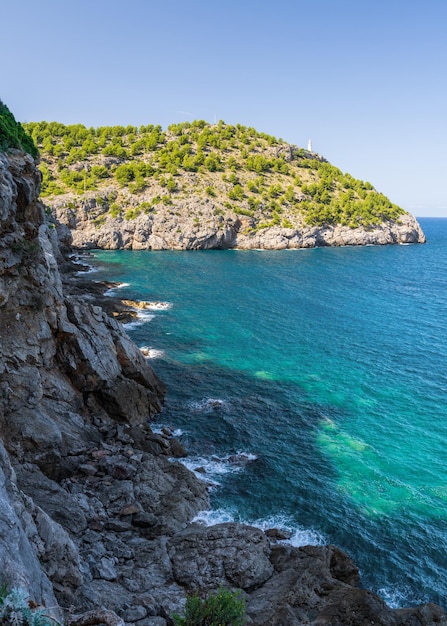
x: 366, y: 80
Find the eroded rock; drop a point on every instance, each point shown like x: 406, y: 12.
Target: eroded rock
x: 225, y: 554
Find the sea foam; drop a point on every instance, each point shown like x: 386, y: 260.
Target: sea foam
x: 298, y: 536
x: 208, y: 405
x: 163, y: 429
x: 111, y: 292
x: 212, y: 469
x: 141, y: 318
x: 397, y: 597
x: 157, y: 306
x: 90, y: 269
x: 152, y: 353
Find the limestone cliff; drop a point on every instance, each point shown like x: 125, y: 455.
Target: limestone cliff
x: 93, y: 227
x: 94, y: 511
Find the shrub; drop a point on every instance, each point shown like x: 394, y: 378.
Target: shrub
x: 100, y: 171
x: 125, y: 173
x: 171, y: 185
x: 15, y: 609
x: 237, y: 193
x: 254, y: 203
x: 212, y: 162
x: 114, y: 209
x: 12, y: 134
x: 241, y: 211
x: 223, y: 608
x: 116, y: 150
x: 132, y: 214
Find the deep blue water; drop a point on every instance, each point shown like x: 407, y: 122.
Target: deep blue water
x: 328, y: 366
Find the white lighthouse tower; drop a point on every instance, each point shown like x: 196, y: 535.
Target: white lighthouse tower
x: 309, y: 145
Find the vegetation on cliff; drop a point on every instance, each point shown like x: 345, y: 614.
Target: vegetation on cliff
x: 221, y: 608
x: 132, y: 171
x: 12, y: 134
x: 16, y: 609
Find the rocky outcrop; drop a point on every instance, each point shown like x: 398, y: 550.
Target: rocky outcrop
x: 95, y: 512
x: 226, y: 554
x: 93, y: 227
x: 69, y: 377
x: 404, y: 230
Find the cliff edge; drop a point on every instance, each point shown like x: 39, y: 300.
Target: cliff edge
x: 92, y: 227
x: 94, y: 509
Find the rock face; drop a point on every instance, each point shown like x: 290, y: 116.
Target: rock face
x: 93, y: 227
x: 94, y: 511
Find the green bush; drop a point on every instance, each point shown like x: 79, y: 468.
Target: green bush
x: 132, y: 214
x: 251, y: 186
x: 12, y: 135
x: 237, y: 193
x: 223, y: 608
x: 241, y: 211
x: 171, y: 185
x: 125, y: 173
x: 114, y: 209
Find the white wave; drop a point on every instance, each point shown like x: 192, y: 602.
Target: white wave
x: 111, y: 291
x: 152, y: 353
x: 79, y: 259
x: 157, y: 306
x: 213, y: 517
x: 396, y: 597
x: 298, y: 536
x: 204, y: 467
x: 306, y: 537
x: 163, y: 429
x: 145, y: 305
x: 218, y: 465
x: 141, y: 318
x: 90, y: 269
x: 210, y: 470
x: 206, y: 405
x: 238, y: 458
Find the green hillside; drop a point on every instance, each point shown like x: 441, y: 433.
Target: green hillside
x: 12, y: 134
x: 240, y: 170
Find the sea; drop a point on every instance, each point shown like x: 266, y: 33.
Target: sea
x: 310, y: 390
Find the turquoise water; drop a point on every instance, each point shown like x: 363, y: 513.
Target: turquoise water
x: 328, y: 368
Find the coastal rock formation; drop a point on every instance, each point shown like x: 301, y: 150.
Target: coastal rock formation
x: 180, y: 230
x: 95, y: 512
x: 197, y: 186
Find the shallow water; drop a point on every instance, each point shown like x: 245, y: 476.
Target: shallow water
x: 329, y: 367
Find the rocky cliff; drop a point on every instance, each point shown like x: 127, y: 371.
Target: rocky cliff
x: 94, y: 510
x: 93, y: 227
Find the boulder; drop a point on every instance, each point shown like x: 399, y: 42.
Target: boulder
x: 226, y: 554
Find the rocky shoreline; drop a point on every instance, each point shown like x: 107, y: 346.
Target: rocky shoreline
x: 95, y: 510
x: 92, y: 227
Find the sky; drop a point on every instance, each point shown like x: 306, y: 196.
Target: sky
x: 365, y: 80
